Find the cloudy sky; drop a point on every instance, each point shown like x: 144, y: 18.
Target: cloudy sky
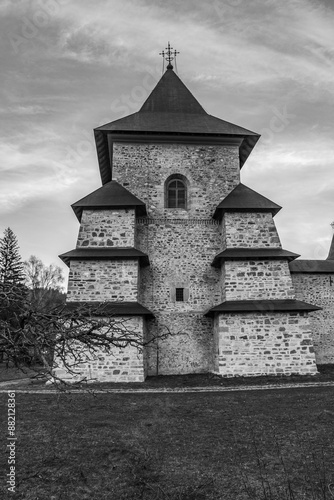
x: 68, y: 66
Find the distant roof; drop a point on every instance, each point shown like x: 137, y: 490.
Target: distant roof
x: 266, y: 306
x: 104, y: 254
x: 109, y: 308
x: 312, y: 266
x: 172, y: 109
x: 253, y: 253
x: 245, y: 199
x: 331, y: 250
x: 111, y: 195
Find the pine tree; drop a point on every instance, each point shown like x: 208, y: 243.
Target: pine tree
x: 11, y: 266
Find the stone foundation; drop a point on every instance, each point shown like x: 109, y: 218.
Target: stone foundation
x: 252, y: 344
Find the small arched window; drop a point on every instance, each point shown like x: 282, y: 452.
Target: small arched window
x: 176, y: 193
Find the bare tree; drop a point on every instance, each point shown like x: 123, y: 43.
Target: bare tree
x: 44, y: 283
x: 71, y: 335
x: 38, y: 275
x: 36, y: 326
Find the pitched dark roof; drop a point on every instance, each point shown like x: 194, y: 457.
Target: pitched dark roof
x: 109, y: 308
x: 253, y: 253
x: 312, y: 266
x: 331, y: 250
x: 172, y: 109
x: 245, y: 199
x: 170, y: 95
x: 111, y: 195
x: 240, y: 306
x: 104, y: 254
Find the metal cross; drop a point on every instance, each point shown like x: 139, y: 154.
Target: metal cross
x: 169, y: 55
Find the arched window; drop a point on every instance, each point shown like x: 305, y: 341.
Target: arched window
x: 176, y: 193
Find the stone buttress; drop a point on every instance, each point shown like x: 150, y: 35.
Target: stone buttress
x: 104, y: 276
x: 260, y: 327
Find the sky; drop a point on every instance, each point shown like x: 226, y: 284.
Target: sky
x: 68, y: 66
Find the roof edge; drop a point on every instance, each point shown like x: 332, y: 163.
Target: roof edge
x: 109, y: 308
x: 262, y: 306
x: 99, y: 253
x: 253, y: 253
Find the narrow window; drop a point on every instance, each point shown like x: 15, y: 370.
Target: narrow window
x: 179, y: 296
x: 176, y: 194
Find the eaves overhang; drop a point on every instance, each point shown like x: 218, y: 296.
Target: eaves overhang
x: 231, y: 254
x: 125, y: 253
x: 110, y: 196
x: 104, y: 140
x: 244, y: 199
x: 262, y: 306
x: 108, y: 308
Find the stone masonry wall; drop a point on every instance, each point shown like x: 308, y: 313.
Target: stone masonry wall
x: 122, y: 365
x: 107, y: 228
x: 252, y: 344
x: 211, y: 172
x: 318, y: 289
x: 180, y: 254
x: 249, y: 230
x: 258, y: 279
x: 181, y: 244
x: 103, y: 280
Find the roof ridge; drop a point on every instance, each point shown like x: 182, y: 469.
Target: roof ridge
x: 171, y: 95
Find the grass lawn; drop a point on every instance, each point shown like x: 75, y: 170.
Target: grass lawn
x: 174, y: 446
x: 325, y: 374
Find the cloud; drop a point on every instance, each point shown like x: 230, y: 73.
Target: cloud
x: 62, y: 73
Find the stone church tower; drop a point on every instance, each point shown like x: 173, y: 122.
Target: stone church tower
x: 174, y: 242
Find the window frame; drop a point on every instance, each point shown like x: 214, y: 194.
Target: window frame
x: 180, y: 178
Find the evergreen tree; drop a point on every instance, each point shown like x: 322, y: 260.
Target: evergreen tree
x: 11, y: 266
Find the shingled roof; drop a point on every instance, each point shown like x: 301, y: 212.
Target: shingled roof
x: 244, y: 199
x: 262, y: 306
x: 108, y: 308
x: 253, y: 253
x: 104, y: 253
x: 111, y: 195
x: 172, y: 109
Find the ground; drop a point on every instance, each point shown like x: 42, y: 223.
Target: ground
x: 190, y: 446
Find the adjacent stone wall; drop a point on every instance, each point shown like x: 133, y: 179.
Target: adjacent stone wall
x: 187, y: 348
x: 103, y: 280
x: 257, y: 280
x: 180, y: 255
x: 123, y: 365
x: 211, y: 172
x: 318, y: 289
x: 249, y: 230
x: 252, y: 344
x: 107, y: 228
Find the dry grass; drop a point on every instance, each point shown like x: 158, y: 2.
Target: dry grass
x: 181, y: 446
